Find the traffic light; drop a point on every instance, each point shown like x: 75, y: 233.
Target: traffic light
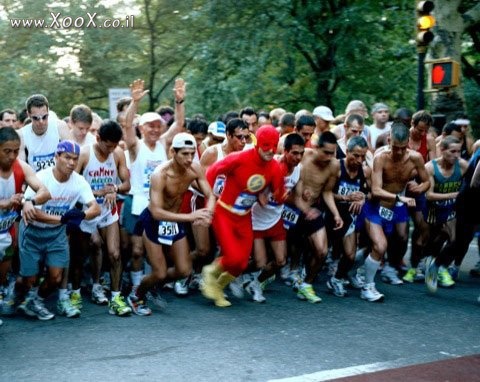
x: 445, y: 73
x: 425, y: 21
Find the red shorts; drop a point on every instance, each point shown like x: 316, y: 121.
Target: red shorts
x: 191, y: 202
x: 275, y: 233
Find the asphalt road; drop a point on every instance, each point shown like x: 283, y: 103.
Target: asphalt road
x: 283, y: 339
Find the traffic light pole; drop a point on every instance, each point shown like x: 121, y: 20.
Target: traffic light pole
x: 421, y: 50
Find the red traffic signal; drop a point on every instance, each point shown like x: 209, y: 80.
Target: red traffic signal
x: 445, y: 73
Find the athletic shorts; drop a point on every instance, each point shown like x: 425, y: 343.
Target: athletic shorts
x: 309, y: 227
x: 106, y: 218
x: 385, y: 217
x: 275, y: 233
x: 37, y: 244
x: 128, y: 220
x: 420, y: 205
x: 349, y: 222
x: 6, y: 247
x: 159, y: 232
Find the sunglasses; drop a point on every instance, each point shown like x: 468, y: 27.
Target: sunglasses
x: 241, y: 137
x: 39, y: 117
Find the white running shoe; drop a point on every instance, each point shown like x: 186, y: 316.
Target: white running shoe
x: 98, y: 295
x: 390, y: 276
x: 236, y: 286
x: 370, y: 293
x: 181, y: 287
x: 254, y: 288
x: 336, y: 287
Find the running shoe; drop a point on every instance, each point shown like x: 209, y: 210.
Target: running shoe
x: 306, y: 292
x: 98, y: 295
x: 285, y: 272
x: 76, y: 300
x: 155, y: 299
x: 419, y: 275
x: 444, y: 278
x: 195, y: 281
x: 118, y: 307
x: 336, y: 287
x: 66, y: 308
x: 138, y: 306
x: 431, y: 274
x: 390, y: 276
x: 409, y: 277
x: 268, y: 281
x: 370, y: 293
x: 254, y: 288
x: 236, y: 287
x: 356, y: 281
x: 35, y: 308
x: 181, y: 287
x: 453, y: 270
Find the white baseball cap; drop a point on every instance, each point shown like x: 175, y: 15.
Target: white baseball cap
x: 218, y: 129
x: 184, y: 141
x: 324, y: 113
x: 150, y: 117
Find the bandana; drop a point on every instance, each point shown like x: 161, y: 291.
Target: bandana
x: 68, y: 147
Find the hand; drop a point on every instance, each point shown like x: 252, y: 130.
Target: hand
x: 179, y: 89
x: 137, y: 90
x: 110, y: 200
x: 338, y: 222
x: 312, y: 214
x: 414, y: 188
x: 357, y: 196
x: 356, y: 207
x: 29, y: 212
x: 410, y: 202
x: 16, y: 200
x: 202, y: 217
x: 73, y: 217
x: 263, y: 197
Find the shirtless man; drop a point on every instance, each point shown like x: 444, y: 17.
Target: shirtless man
x: 319, y: 173
x: 392, y: 171
x: 161, y: 224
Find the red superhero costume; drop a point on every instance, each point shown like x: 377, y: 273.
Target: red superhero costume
x: 247, y: 174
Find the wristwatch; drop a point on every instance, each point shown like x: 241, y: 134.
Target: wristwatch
x: 24, y: 200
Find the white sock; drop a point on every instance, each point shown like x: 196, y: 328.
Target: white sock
x: 136, y: 277
x: 371, y: 267
x: 115, y: 294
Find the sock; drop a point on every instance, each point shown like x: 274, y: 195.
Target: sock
x: 63, y: 294
x: 371, y: 267
x: 115, y: 294
x: 136, y: 277
x: 76, y: 291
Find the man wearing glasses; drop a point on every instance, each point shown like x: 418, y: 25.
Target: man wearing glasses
x: 41, y: 136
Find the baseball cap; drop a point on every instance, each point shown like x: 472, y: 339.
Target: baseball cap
x: 378, y: 107
x: 324, y: 113
x: 184, y: 141
x: 218, y: 129
x: 68, y: 146
x: 150, y: 117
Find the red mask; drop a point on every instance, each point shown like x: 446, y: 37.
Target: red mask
x: 267, y: 138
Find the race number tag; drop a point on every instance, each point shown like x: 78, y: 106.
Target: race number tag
x: 167, y: 232
x: 7, y: 220
x: 147, y: 173
x: 290, y: 216
x: 218, y: 185
x: 41, y: 162
x: 244, y: 203
x: 385, y: 213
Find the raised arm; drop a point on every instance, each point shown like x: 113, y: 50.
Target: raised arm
x: 179, y: 124
x: 138, y: 91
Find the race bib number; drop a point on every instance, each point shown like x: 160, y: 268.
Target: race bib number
x: 147, y: 173
x: 290, y: 217
x: 218, y: 185
x: 167, y: 232
x: 385, y: 213
x: 345, y: 189
x: 41, y: 162
x: 7, y: 220
x: 56, y: 210
x: 244, y: 202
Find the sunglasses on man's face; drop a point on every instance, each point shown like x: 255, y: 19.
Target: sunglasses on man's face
x: 39, y: 117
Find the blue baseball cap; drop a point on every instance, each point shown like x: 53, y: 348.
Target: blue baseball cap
x: 67, y: 146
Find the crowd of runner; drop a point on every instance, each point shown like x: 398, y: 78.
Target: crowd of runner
x: 125, y: 208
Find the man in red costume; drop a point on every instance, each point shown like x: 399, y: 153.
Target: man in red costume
x: 247, y: 173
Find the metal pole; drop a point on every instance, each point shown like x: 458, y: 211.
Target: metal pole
x: 420, y: 77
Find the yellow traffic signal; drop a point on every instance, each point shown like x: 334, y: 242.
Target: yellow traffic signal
x: 425, y: 21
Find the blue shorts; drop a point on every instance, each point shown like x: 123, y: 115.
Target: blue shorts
x: 127, y: 219
x: 37, y: 244
x: 420, y: 205
x: 159, y: 232
x: 385, y: 217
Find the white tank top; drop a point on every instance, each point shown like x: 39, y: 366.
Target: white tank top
x: 41, y: 148
x: 266, y: 217
x: 7, y: 217
x: 140, y: 172
x: 99, y: 174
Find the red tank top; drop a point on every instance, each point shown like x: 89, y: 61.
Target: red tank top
x: 423, y: 149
